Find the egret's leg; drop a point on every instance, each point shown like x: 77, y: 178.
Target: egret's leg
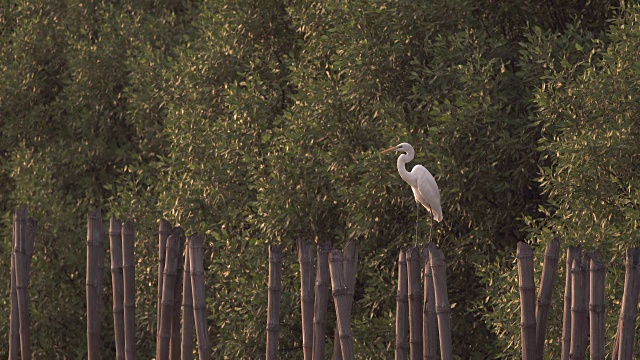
x: 417, y: 220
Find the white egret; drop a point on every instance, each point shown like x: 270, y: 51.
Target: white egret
x: 423, y: 185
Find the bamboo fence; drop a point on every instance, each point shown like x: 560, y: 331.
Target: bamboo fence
x: 423, y: 312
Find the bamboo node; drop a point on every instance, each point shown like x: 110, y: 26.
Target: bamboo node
x: 273, y: 327
x: 596, y: 307
x: 415, y: 296
x: 543, y: 302
x: 528, y: 326
x: 402, y: 297
x: 320, y: 322
x: 527, y: 287
x: 443, y: 309
x: 275, y: 288
x: 338, y: 292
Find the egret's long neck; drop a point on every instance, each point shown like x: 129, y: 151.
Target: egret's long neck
x: 404, y: 174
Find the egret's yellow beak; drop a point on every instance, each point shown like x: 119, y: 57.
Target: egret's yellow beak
x: 390, y: 149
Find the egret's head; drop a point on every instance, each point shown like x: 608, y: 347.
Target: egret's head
x: 403, y: 147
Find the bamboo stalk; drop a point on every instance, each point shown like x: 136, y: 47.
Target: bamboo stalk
x: 117, y: 282
x: 429, y: 317
x: 629, y: 309
x: 102, y: 231
x: 196, y: 259
x: 22, y: 251
x: 578, y: 310
x: 129, y: 277
x: 186, y: 352
x: 549, y: 275
x: 337, y: 351
x: 350, y: 267
x: 163, y: 234
x: 415, y: 304
x: 273, y: 302
x: 305, y: 258
x: 586, y: 280
x: 14, y: 320
x: 168, y: 284
x: 92, y: 284
x: 527, y: 300
x: 573, y: 252
x: 596, y: 307
x: 443, y: 308
x: 402, y: 309
x: 340, y: 297
x: 174, y: 344
x: 321, y: 300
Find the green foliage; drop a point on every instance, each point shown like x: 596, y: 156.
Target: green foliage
x: 258, y: 122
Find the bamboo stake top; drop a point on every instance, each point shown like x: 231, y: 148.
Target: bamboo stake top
x: 196, y: 241
x: 524, y: 251
x: 553, y: 249
x: 305, y: 251
x: 275, y: 253
x: 128, y: 227
x: 115, y: 226
x: 165, y: 227
x: 335, y: 256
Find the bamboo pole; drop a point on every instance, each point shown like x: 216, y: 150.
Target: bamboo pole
x: 321, y: 300
x: 527, y: 300
x: 415, y: 303
x: 14, y: 320
x: 305, y: 258
x: 20, y: 331
x: 549, y: 275
x: 578, y: 311
x: 350, y: 267
x: 273, y: 302
x: 629, y: 309
x: 92, y: 284
x: 402, y: 309
x: 596, y: 307
x: 196, y: 259
x: 340, y: 297
x: 168, y: 285
x: 163, y: 234
x: 174, y: 344
x: 117, y: 282
x: 337, y: 351
x: 102, y: 230
x: 186, y: 350
x: 573, y: 252
x: 443, y: 308
x: 429, y: 317
x: 586, y: 280
x: 129, y: 277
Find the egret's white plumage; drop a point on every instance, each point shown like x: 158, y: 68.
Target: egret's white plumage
x: 422, y: 183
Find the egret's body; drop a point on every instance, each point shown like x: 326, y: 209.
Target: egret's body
x: 424, y: 186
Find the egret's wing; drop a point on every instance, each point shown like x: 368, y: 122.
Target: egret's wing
x: 427, y: 191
